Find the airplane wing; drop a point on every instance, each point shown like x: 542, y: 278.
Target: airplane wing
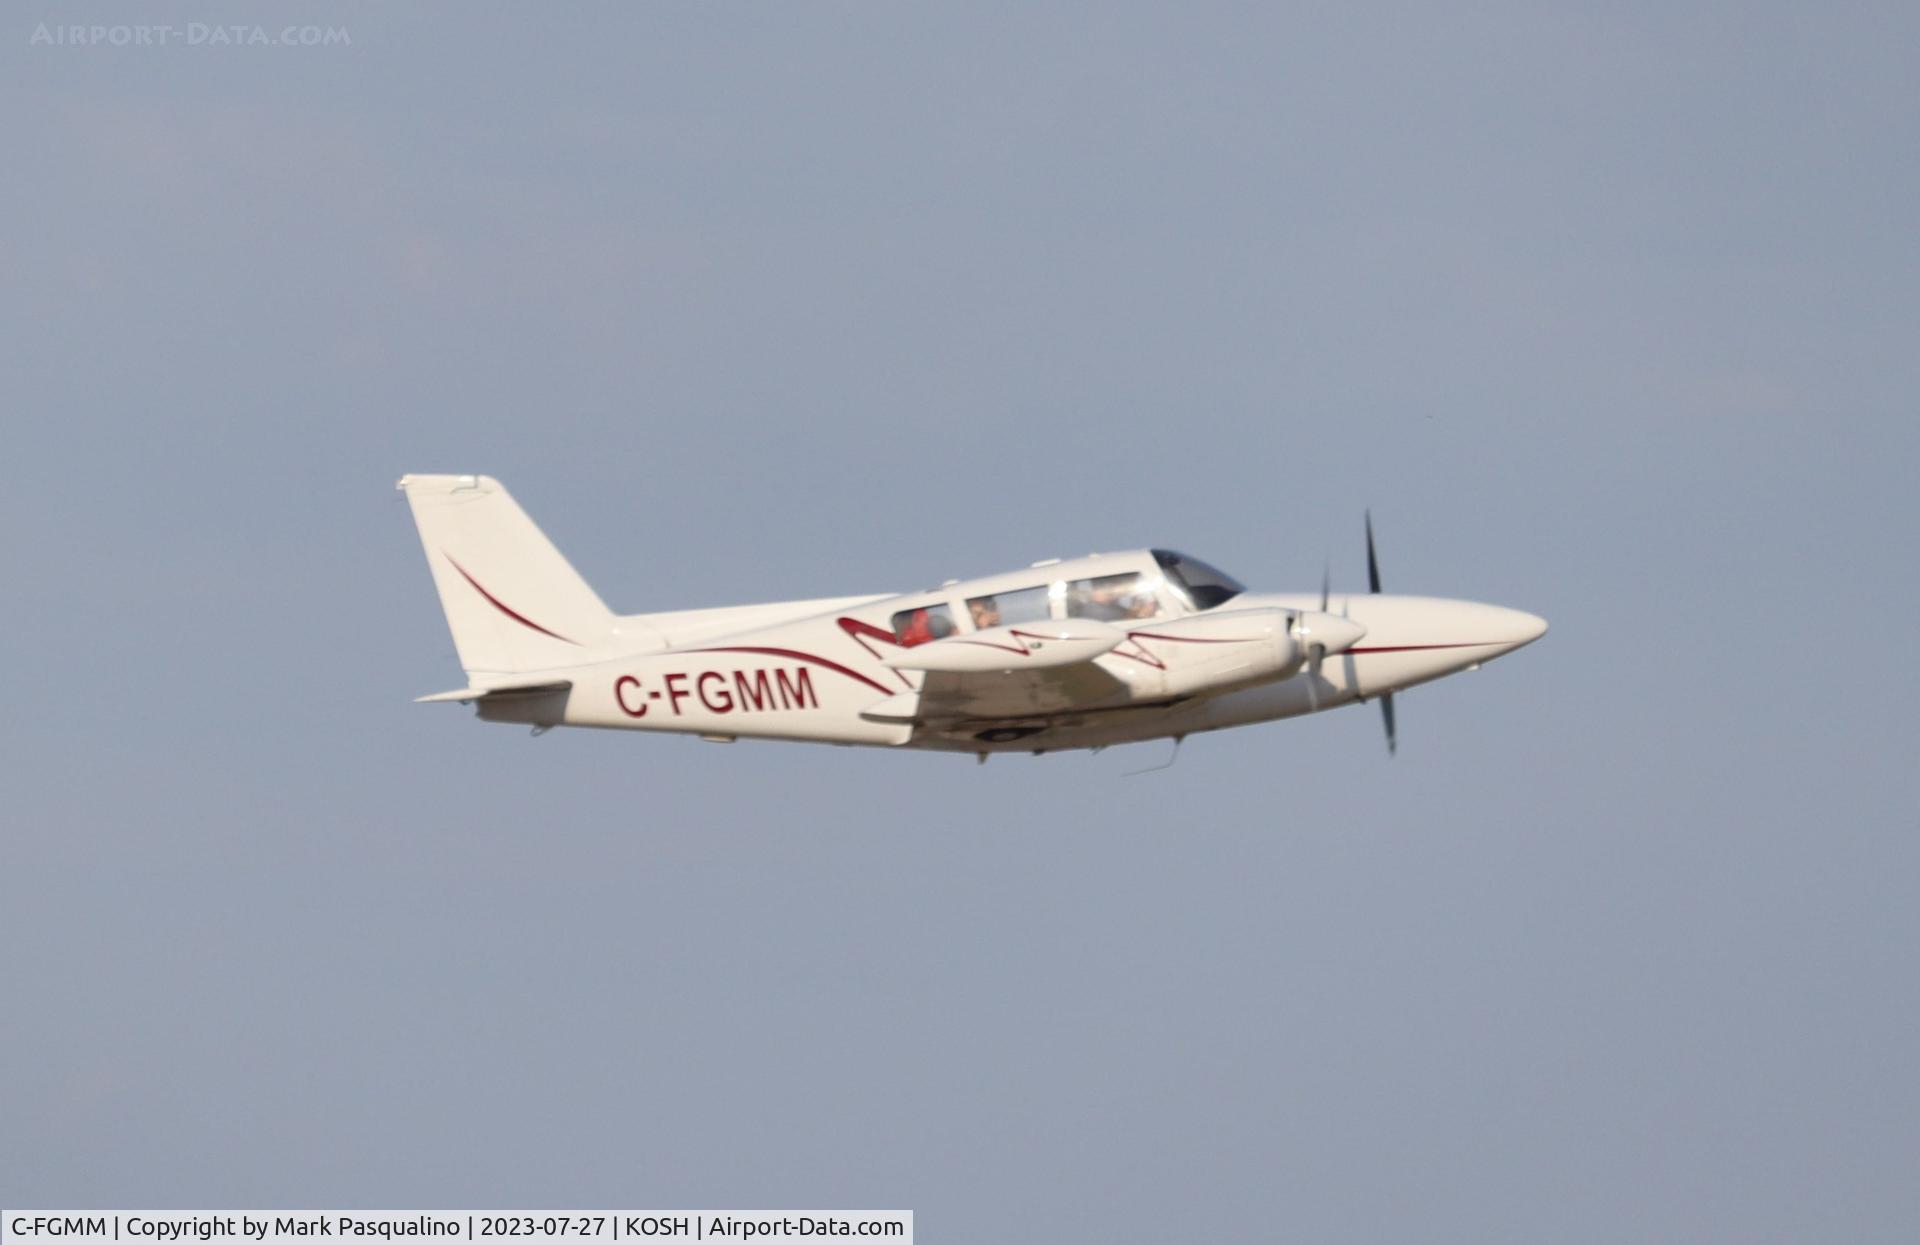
x: 1027, y: 670
x: 1018, y: 694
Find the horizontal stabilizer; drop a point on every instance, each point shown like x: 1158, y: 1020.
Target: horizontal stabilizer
x: 502, y: 692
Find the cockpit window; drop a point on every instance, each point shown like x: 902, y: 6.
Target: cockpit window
x: 1112, y: 598
x: 918, y: 626
x: 1204, y: 586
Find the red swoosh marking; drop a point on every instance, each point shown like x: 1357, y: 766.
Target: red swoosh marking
x: 503, y: 607
x: 1187, y: 639
x: 1144, y: 655
x: 1009, y: 648
x: 1146, y: 658
x: 859, y: 632
x: 1140, y: 654
x: 796, y: 655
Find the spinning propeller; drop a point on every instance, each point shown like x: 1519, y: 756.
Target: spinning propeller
x: 1373, y: 586
x: 1322, y: 632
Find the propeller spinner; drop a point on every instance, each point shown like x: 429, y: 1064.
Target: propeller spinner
x: 1319, y: 633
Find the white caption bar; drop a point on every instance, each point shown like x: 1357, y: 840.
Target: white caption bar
x: 494, y: 1227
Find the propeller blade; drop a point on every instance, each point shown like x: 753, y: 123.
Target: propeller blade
x: 1373, y: 585
x: 1373, y: 562
x: 1326, y: 585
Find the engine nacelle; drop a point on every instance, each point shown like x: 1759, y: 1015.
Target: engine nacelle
x: 1211, y: 652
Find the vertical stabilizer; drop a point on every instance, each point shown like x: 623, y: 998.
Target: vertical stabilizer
x: 513, y: 603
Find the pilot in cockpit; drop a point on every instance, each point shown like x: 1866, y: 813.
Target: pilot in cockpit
x: 1116, y: 598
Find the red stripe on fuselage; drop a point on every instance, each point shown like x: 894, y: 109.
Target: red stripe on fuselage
x: 796, y: 655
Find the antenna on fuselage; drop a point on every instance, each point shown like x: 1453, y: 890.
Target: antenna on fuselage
x: 1154, y: 769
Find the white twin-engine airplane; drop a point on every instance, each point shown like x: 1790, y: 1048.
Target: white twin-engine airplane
x: 1109, y: 649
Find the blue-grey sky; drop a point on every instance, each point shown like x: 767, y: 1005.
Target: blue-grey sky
x: 1609, y: 313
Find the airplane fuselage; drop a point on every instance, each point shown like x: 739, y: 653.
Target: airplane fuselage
x: 812, y: 678
x: 1107, y: 649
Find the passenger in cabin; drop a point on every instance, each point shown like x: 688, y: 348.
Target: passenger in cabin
x: 985, y: 611
x: 923, y: 625
x: 911, y: 628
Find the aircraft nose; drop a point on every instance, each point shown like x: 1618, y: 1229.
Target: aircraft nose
x: 1519, y: 627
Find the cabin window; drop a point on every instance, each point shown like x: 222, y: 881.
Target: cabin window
x: 1112, y: 598
x: 1002, y: 609
x: 921, y: 625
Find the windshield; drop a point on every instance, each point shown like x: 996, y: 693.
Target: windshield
x: 1202, y: 585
